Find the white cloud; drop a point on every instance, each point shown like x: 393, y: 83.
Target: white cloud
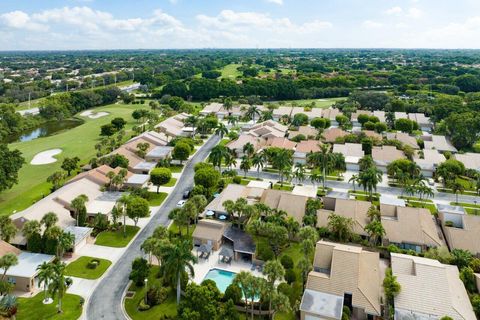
x: 279, y: 2
x: 370, y: 24
x: 20, y: 20
x: 394, y: 11
x: 414, y: 13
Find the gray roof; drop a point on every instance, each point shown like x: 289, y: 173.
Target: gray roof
x: 394, y: 201
x: 80, y: 233
x: 242, y: 241
x: 27, y: 264
x: 205, y: 248
x: 401, y: 314
x: 145, y: 165
x: 450, y: 209
x: 338, y: 195
x: 226, y: 252
x: 138, y: 179
x: 160, y: 152
x: 112, y: 196
x: 322, y: 304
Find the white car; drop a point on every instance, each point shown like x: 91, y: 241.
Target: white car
x: 181, y: 203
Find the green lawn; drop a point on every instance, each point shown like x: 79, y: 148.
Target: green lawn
x: 429, y: 206
x: 169, y: 307
x: 157, y: 199
x: 33, y: 308
x: 79, y: 268
x: 465, y: 204
x: 230, y: 71
x: 115, y: 238
x: 176, y: 168
x: 171, y: 183
x: 414, y: 198
x: 285, y: 187
x: 224, y: 142
x: 79, y: 141
x: 174, y: 229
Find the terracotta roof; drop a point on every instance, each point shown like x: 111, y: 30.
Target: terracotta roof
x: 6, y: 247
x: 470, y: 160
x: 282, y: 143
x: 293, y: 205
x: 307, y: 146
x: 331, y: 134
x: 304, y: 130
x: 385, y: 154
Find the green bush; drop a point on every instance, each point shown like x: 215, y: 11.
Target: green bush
x: 264, y: 252
x: 237, y: 180
x: 157, y: 295
x: 286, y: 262
x: 290, y: 276
x: 142, y: 306
x: 347, y: 313
x: 234, y: 293
x: 93, y: 264
x: 285, y: 288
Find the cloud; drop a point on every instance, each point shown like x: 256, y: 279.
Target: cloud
x: 394, y: 11
x: 370, y: 24
x: 414, y: 13
x: 20, y: 20
x: 279, y: 2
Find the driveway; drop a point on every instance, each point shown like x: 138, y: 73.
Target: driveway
x: 106, y: 300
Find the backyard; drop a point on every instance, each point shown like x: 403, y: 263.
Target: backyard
x: 115, y: 238
x: 88, y: 267
x: 79, y: 142
x: 33, y: 308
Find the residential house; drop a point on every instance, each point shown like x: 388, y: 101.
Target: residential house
x: 470, y: 160
x: 372, y: 135
x: 384, y: 155
x: 352, y: 152
x: 380, y: 115
x: 440, y: 143
x: 305, y: 131
x: 213, y: 107
x: 330, y: 135
x: 237, y: 145
x: 282, y: 143
x: 343, y: 276
x: 267, y: 129
x: 404, y: 138
x: 209, y: 232
x: 159, y: 153
x: 354, y: 117
x: 401, y: 115
x: 331, y: 114
x: 281, y: 112
x: 348, y: 208
x: 423, y: 121
x: 429, y: 161
x: 233, y: 192
x: 293, y: 205
x: 429, y: 289
x: 311, y: 114
x: 81, y: 234
x: 461, y: 229
x: 303, y: 149
x: 174, y: 126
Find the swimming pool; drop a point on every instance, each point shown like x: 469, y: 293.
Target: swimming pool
x: 222, y: 278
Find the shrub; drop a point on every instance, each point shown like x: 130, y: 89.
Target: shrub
x: 285, y: 288
x: 142, y: 306
x: 234, y: 293
x: 346, y: 314
x: 157, y: 295
x: 93, y: 264
x: 237, y: 180
x: 264, y: 252
x: 286, y: 262
x: 290, y: 276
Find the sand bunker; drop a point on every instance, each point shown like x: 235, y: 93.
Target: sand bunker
x: 45, y: 157
x: 94, y: 115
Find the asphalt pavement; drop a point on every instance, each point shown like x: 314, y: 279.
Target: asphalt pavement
x: 105, y: 301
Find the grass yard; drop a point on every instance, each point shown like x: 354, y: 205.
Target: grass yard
x: 174, y: 229
x: 230, y: 71
x: 429, y: 206
x: 79, y: 268
x: 167, y: 308
x: 33, y: 308
x: 79, y: 141
x: 115, y: 238
x: 285, y: 187
x: 171, y: 183
x: 177, y: 168
x: 414, y: 198
x: 156, y: 199
x: 224, y: 142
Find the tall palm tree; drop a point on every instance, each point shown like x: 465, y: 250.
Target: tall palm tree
x: 245, y: 165
x: 217, y: 155
x: 244, y: 280
x: 258, y: 161
x: 300, y: 172
x: 353, y: 179
x: 248, y: 149
x: 369, y: 179
x: 282, y: 161
x: 456, y: 188
x: 78, y: 204
x: 252, y: 112
x: 227, y: 104
x: 58, y: 284
x: 65, y: 242
x: 6, y: 262
x: 230, y: 160
x: 45, y: 275
x: 221, y: 130
x: 49, y: 220
x: 231, y: 120
x: 316, y: 176
x: 192, y: 121
x: 122, y: 206
x: 178, y: 258
x: 273, y: 271
x: 375, y: 231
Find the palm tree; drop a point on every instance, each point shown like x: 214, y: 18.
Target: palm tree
x: 267, y: 115
x: 181, y: 218
x: 252, y: 112
x: 217, y: 155
x: 192, y: 121
x: 273, y: 271
x: 258, y: 161
x: 300, y: 172
x: 227, y: 104
x: 58, y: 284
x: 178, y: 258
x: 78, y: 204
x: 231, y: 120
x: 49, y: 220
x: 375, y: 231
x: 244, y: 280
x: 230, y: 160
x: 248, y: 149
x: 456, y: 188
x: 6, y: 262
x: 45, y: 274
x: 353, y: 179
x: 122, y: 203
x: 65, y: 242
x: 282, y: 161
x: 245, y: 165
x: 322, y: 159
x: 200, y: 203
x: 221, y: 130
x: 369, y: 179
x: 316, y: 176
x: 340, y: 227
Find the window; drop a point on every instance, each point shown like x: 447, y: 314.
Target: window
x: 12, y: 280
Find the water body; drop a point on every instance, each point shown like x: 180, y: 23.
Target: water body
x: 45, y: 130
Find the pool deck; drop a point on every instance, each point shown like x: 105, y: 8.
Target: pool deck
x: 203, y: 266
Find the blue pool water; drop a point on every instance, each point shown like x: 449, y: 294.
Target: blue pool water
x: 221, y: 277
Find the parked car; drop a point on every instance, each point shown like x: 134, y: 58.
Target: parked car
x: 181, y: 203
x: 186, y: 194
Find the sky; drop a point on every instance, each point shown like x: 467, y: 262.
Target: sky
x: 183, y: 24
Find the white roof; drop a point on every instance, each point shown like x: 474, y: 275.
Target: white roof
x: 322, y: 304
x: 28, y: 263
x: 307, y: 191
x: 79, y: 233
x: 259, y: 184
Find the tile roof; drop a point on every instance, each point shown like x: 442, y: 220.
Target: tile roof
x: 331, y: 134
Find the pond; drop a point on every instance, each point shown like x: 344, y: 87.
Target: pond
x: 45, y: 130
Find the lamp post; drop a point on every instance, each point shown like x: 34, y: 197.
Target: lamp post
x: 146, y: 289
x: 475, y: 201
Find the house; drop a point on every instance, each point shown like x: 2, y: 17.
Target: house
x: 429, y: 289
x: 305, y: 131
x: 293, y: 205
x: 354, y: 117
x: 380, y: 115
x: 97, y: 175
x: 348, y: 208
x: 209, y: 232
x: 159, y: 153
x: 470, y: 160
x: 430, y: 161
x: 233, y: 192
x: 440, y: 143
x: 404, y: 138
x: 330, y: 135
x: 423, y: 121
x: 153, y: 138
x: 267, y: 129
x: 174, y: 126
x: 237, y: 145
x: 282, y: 143
x: 132, y: 157
x: 401, y: 115
x: 137, y: 181
x: 281, y: 112
x: 210, y: 108
x: 411, y: 229
x: 384, y: 155
x: 352, y: 152
x: 372, y: 135
x: 304, y: 148
x: 23, y: 275
x: 306, y: 191
x: 461, y: 229
x: 81, y: 235
x: 311, y: 114
x: 331, y: 114
x: 343, y: 276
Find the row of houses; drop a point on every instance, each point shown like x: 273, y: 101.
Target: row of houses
x: 423, y: 121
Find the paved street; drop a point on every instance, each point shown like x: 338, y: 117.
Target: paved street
x: 105, y: 302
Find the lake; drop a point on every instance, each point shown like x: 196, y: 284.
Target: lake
x: 47, y: 129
